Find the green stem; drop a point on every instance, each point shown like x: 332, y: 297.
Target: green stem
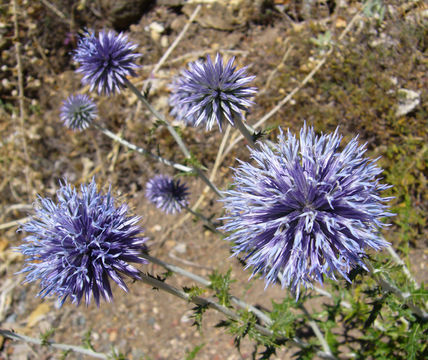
x: 244, y: 131
x: 14, y: 336
x: 388, y: 287
x: 174, y: 134
x: 226, y: 311
x: 141, y: 150
x: 180, y: 271
x: 207, y: 221
x: 162, y: 285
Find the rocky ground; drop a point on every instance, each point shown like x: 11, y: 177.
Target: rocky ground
x: 370, y: 76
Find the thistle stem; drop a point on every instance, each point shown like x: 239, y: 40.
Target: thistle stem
x: 174, y: 134
x: 197, y: 300
x: 178, y: 270
x: 78, y: 349
x: 388, y: 287
x: 213, y: 305
x: 317, y: 331
x: 244, y: 131
x: 206, y: 221
x: 141, y: 150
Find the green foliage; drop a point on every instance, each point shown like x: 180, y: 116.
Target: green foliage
x: 374, y: 9
x: 86, y: 340
x: 193, y: 291
x: 7, y: 106
x: 283, y: 319
x: 221, y: 285
x: 375, y: 324
x: 307, y: 353
x: 323, y: 41
x: 45, y: 337
x: 192, y: 354
x: 243, y: 327
x: 193, y: 162
x: 198, y: 312
x: 116, y: 355
x: 65, y: 353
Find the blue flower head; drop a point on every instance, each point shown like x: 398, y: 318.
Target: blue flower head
x: 106, y: 60
x: 209, y: 93
x: 305, y: 209
x: 167, y: 194
x: 77, y: 245
x: 78, y: 112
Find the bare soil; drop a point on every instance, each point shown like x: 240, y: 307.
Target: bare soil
x: 145, y: 323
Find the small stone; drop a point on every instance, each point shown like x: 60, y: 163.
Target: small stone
x: 180, y: 248
x: 164, y: 41
x: 408, y: 100
x: 178, y: 23
x: 113, y: 336
x: 157, y: 27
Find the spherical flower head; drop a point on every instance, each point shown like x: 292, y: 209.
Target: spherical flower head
x: 78, y: 112
x: 305, y: 210
x: 209, y: 93
x: 167, y: 194
x: 106, y: 60
x: 78, y: 244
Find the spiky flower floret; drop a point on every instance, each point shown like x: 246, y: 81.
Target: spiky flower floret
x: 78, y: 244
x: 305, y: 210
x: 78, y: 112
x: 167, y: 194
x: 106, y: 60
x: 209, y: 93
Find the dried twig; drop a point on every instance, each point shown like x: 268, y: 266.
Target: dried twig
x: 58, y: 12
x: 14, y: 336
x: 22, y: 114
x: 275, y: 71
x: 14, y: 223
x: 176, y: 41
x: 285, y: 100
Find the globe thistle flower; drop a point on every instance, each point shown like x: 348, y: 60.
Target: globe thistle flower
x: 167, y: 194
x: 305, y: 210
x: 78, y: 112
x: 78, y: 244
x: 211, y: 93
x: 106, y: 60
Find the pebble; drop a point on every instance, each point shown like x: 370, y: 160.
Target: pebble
x: 164, y: 41
x: 113, y: 335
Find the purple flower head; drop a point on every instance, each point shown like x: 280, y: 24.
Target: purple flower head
x: 106, y: 60
x: 78, y: 244
x: 306, y: 210
x: 78, y: 112
x: 167, y: 194
x: 210, y: 92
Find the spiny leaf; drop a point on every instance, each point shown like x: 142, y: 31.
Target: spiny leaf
x: 377, y: 306
x: 44, y: 337
x: 192, y: 354
x: 221, y: 284
x: 86, y: 340
x: 193, y: 291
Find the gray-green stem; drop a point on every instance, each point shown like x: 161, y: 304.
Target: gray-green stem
x: 244, y: 131
x: 198, y: 300
x: 78, y: 349
x: 174, y: 134
x: 206, y: 221
x: 142, y: 150
x: 388, y: 287
x: 240, y: 303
